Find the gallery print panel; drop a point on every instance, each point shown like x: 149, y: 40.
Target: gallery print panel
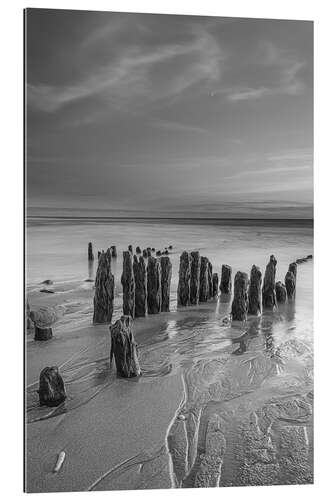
x: 169, y: 251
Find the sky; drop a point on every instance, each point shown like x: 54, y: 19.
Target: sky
x: 159, y: 115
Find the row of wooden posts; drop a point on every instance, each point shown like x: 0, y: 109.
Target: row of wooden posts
x: 147, y: 287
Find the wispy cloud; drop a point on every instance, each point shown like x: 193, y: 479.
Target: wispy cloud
x: 130, y: 76
x: 284, y: 70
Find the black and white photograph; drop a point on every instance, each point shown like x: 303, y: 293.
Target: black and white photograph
x: 169, y: 251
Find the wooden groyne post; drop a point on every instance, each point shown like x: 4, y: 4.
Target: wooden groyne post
x: 166, y: 272
x: 255, y: 291
x: 90, y: 252
x: 183, y: 291
x: 124, y: 348
x: 226, y: 284
x: 281, y: 292
x: 204, y: 280
x: 268, y: 290
x: 215, y: 284
x: 240, y: 301
x: 154, y: 294
x: 128, y: 284
x: 104, y: 290
x: 140, y: 278
x: 195, y: 277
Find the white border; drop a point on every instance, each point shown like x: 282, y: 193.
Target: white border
x: 11, y: 455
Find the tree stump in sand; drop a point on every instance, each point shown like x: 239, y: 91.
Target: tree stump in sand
x: 104, y: 290
x: 124, y: 348
x: 240, y: 302
x: 154, y: 294
x: 43, y: 333
x: 195, y: 277
x: 183, y: 291
x: 204, y: 283
x: 225, y: 285
x: 293, y: 269
x: 290, y: 282
x: 90, y: 252
x: 215, y: 284
x: 255, y: 291
x: 210, y: 280
x: 127, y: 281
x: 113, y: 251
x: 140, y: 278
x: 281, y: 292
x: 51, y: 387
x: 166, y: 271
x: 268, y: 290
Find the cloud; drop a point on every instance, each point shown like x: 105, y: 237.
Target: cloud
x: 130, y: 77
x: 278, y: 66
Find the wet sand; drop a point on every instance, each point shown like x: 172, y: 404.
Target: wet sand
x: 204, y: 413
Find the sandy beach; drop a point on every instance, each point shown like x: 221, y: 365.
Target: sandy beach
x: 204, y: 413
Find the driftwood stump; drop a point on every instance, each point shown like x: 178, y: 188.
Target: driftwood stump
x: 225, y: 285
x: 124, y: 348
x: 166, y: 271
x: 127, y: 281
x: 43, y: 333
x: 154, y: 294
x: 140, y: 278
x: 255, y: 291
x: 204, y: 280
x: 240, y: 302
x: 195, y: 277
x: 90, y: 252
x: 268, y: 291
x: 281, y: 292
x: 215, y: 284
x: 183, y: 291
x: 51, y: 387
x: 104, y: 290
x: 210, y: 280
x: 293, y: 269
x: 290, y: 282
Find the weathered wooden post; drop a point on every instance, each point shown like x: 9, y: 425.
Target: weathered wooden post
x: 144, y: 253
x: 225, y: 285
x: 138, y: 250
x: 104, y: 290
x: 43, y: 333
x: 268, y: 291
x: 154, y: 293
x: 183, y: 291
x: 293, y: 269
x: 113, y: 251
x: 51, y: 387
x: 127, y: 281
x: 140, y: 278
x: 124, y: 348
x: 281, y: 292
x: 255, y: 291
x: 215, y: 284
x: 240, y: 301
x: 166, y: 271
x: 195, y: 277
x: 130, y: 249
x: 210, y: 279
x: 98, y: 254
x: 290, y: 282
x: 90, y: 252
x: 204, y: 283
